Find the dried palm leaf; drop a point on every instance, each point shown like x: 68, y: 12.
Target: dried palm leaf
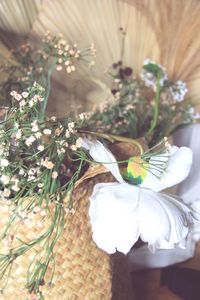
x: 18, y: 15
x: 166, y: 31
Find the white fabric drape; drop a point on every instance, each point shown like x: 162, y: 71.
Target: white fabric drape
x: 189, y: 191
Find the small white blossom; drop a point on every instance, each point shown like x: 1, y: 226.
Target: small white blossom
x: 21, y: 172
x: 40, y: 147
x: 58, y: 67
x: 15, y: 188
x: 32, y: 171
x: 54, y: 175
x: 35, y: 128
x: 6, y: 193
x: 178, y: 91
x: 58, y: 131
x: 31, y: 178
x: 40, y: 185
x: 47, y: 163
x: 73, y: 147
x: 31, y: 103
x: 82, y: 116
x: 22, y: 103
x: 71, y: 125
x: 79, y: 142
x: 25, y: 94
x: 18, y: 97
x: 67, y: 63
x: 18, y: 134
x: 29, y: 141
x: 38, y: 135
x: 13, y: 93
x: 47, y: 131
x: 67, y: 133
x: 4, y: 162
x: 53, y: 118
x: 5, y: 179
x: 149, y: 78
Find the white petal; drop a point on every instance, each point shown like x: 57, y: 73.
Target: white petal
x: 120, y: 213
x: 164, y: 220
x: 102, y: 155
x: 113, y: 216
x: 177, y: 170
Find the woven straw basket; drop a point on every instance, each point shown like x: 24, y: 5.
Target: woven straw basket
x: 82, y: 271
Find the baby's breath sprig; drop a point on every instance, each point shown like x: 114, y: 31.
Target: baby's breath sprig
x: 40, y: 161
x: 38, y: 64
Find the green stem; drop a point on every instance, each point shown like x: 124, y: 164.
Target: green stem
x: 48, y: 90
x: 156, y: 108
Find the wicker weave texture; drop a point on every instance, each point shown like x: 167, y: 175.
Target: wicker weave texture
x: 82, y: 270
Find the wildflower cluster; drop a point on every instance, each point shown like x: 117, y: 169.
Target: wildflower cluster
x: 149, y: 106
x: 32, y: 151
x: 41, y: 159
x: 65, y: 54
x: 27, y: 64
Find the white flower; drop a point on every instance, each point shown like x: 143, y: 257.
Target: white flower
x: 47, y: 163
x: 18, y: 134
x: 35, y: 128
x: 15, y: 188
x: 21, y: 172
x: 13, y: 93
x: 149, y: 78
x: 79, y: 142
x: 4, y: 162
x: 40, y: 147
x: 82, y: 116
x: 25, y: 94
x: 31, y: 103
x: 17, y: 96
x: 47, y: 131
x: 6, y: 193
x: 22, y: 103
x: 73, y: 147
x: 178, y: 90
x: 67, y: 133
x: 32, y: 171
x: 58, y: 67
x: 71, y: 125
x: 120, y: 213
x: 29, y: 141
x: 38, y: 135
x: 54, y: 175
x: 5, y: 179
x: 53, y: 118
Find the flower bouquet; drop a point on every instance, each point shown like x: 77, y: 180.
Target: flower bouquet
x: 51, y: 166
